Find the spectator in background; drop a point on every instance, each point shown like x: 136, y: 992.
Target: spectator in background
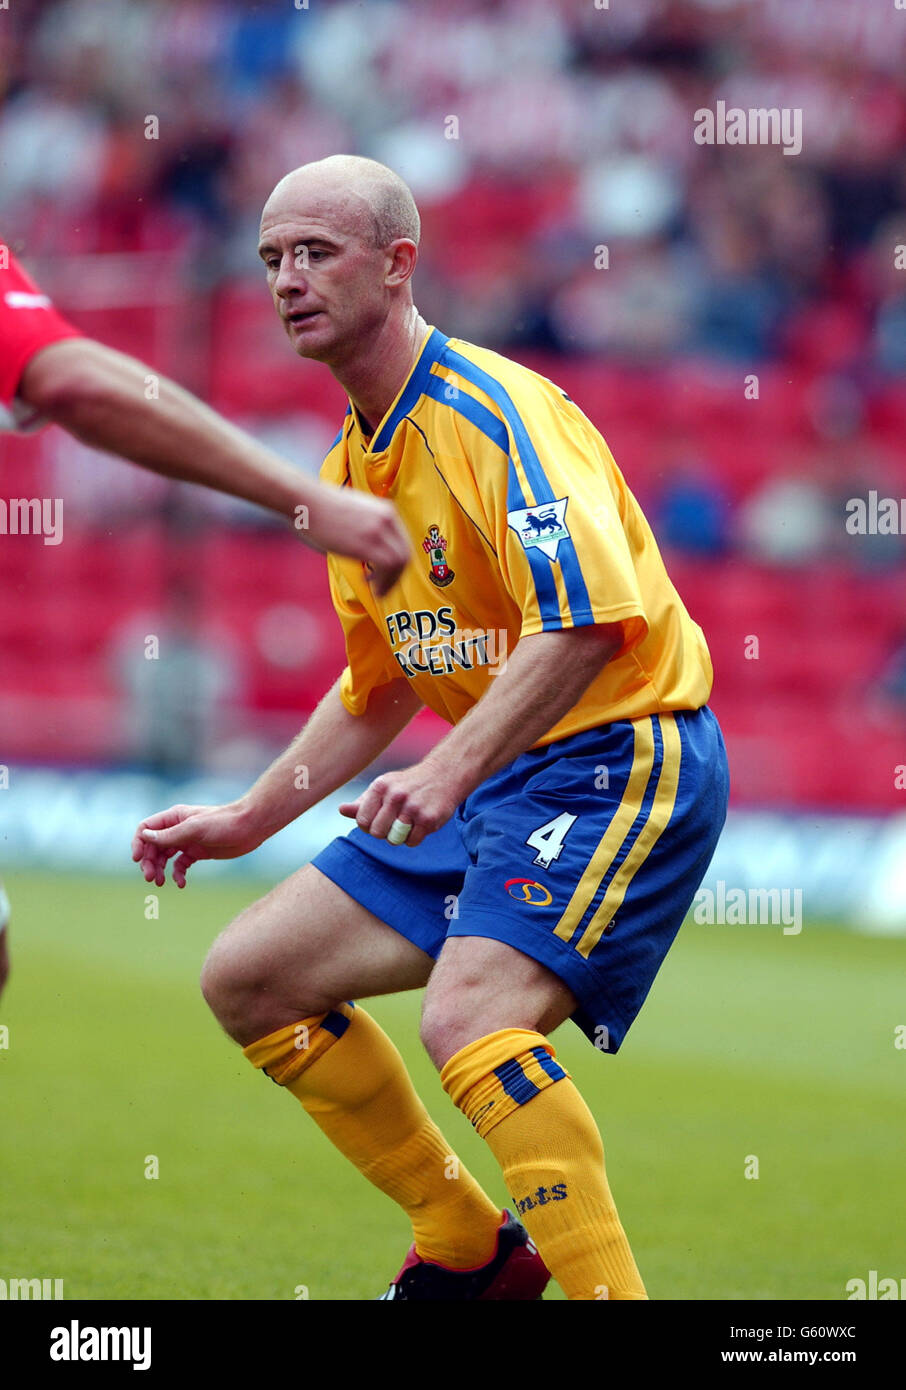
x: 179, y: 691
x: 739, y: 306
x: 693, y: 512
x: 884, y: 279
x: 788, y: 521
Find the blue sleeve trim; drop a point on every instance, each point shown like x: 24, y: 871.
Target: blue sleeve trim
x: 576, y: 589
x: 540, y: 566
x: 494, y: 429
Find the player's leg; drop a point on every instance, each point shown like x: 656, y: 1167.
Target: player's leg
x: 304, y: 949
x: 277, y: 979
x: 576, y: 888
x: 488, y: 1014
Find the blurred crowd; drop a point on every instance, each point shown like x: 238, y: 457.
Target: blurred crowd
x: 569, y: 217
x: 534, y: 132
x: 567, y: 209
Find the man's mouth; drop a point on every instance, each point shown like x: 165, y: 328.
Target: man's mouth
x: 302, y: 316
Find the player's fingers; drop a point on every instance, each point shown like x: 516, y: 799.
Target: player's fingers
x: 391, y: 557
x: 153, y: 871
x: 160, y: 868
x: 139, y: 843
x: 175, y: 837
x: 181, y: 866
x: 350, y: 809
x: 370, y: 804
x: 393, y: 807
x: 387, y: 548
x: 150, y: 854
x: 153, y: 863
x: 161, y: 820
x: 383, y: 576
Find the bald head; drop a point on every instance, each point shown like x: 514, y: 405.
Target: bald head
x: 371, y: 199
x: 339, y: 240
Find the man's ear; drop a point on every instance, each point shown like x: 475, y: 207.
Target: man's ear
x: 402, y: 256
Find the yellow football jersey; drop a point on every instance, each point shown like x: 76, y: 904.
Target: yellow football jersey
x: 521, y: 523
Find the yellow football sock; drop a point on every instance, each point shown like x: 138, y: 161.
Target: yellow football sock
x: 361, y: 1096
x: 542, y: 1134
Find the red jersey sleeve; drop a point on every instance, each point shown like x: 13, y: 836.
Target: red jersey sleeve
x: 28, y: 322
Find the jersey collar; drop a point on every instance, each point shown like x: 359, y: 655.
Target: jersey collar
x: 412, y: 389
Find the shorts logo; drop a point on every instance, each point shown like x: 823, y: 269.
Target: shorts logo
x: 526, y: 890
x: 435, y: 547
x: 541, y: 528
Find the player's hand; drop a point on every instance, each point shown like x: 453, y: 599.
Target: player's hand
x: 191, y: 833
x: 418, y: 796
x: 365, y: 527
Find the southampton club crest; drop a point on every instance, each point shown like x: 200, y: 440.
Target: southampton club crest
x: 435, y: 547
x: 542, y: 527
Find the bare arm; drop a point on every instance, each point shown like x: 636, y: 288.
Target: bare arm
x: 543, y: 679
x: 333, y: 747
x: 99, y: 396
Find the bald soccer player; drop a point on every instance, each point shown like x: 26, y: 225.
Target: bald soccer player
x: 49, y: 371
x: 536, y: 865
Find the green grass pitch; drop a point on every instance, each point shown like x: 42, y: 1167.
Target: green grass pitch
x: 751, y: 1043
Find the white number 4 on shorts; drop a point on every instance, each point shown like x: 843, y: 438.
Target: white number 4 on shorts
x: 548, y: 839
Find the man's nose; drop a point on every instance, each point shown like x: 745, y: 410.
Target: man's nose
x: 291, y: 276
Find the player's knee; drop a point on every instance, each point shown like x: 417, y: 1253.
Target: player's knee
x: 446, y: 1027
x: 245, y: 982
x: 237, y: 970
x: 226, y: 978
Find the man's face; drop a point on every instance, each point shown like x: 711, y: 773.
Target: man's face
x: 325, y: 276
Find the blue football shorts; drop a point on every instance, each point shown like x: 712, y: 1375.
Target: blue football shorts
x: 584, y: 855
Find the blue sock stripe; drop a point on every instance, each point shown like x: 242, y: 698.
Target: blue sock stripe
x: 547, y: 1063
x: 335, y: 1023
x: 515, y: 1082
